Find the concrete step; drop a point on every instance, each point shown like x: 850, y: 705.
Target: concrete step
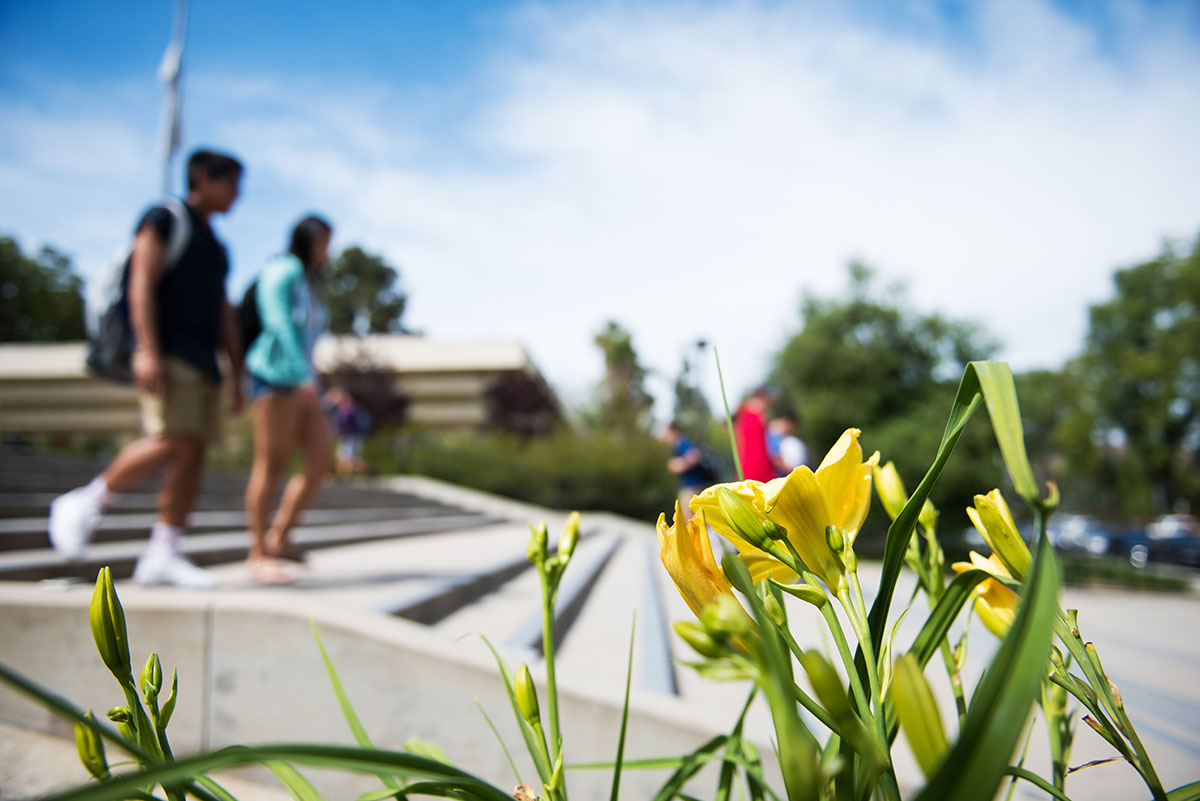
x: 25, y: 533
x: 220, y: 546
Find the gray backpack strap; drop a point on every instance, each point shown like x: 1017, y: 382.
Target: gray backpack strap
x: 181, y: 231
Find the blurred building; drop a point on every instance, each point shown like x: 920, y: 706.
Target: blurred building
x: 46, y: 389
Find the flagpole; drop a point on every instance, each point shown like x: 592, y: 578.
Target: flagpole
x: 170, y: 73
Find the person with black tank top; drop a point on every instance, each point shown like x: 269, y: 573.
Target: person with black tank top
x: 180, y: 316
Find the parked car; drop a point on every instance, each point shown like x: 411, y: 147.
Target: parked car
x: 1079, y: 534
x: 1173, y: 539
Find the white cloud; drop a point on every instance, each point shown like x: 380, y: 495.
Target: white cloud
x: 690, y: 170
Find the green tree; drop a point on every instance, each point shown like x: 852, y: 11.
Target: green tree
x: 623, y: 403
x: 41, y: 298
x: 691, y: 410
x: 1135, y: 428
x: 361, y: 292
x: 867, y: 361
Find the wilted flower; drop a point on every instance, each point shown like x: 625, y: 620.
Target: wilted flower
x: 995, y: 603
x: 804, y: 504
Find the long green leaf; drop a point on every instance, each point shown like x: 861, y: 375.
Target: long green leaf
x: 300, y: 787
x: 689, y: 766
x: 1000, y: 706
x: 337, y: 757
x: 352, y: 719
x: 937, y: 625
x: 1188, y: 792
x: 982, y: 382
x: 616, y: 782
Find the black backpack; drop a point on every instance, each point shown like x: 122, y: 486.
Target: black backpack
x: 248, y: 320
x: 106, y: 306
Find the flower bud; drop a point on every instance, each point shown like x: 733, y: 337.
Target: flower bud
x: 536, y: 550
x: 120, y: 715
x: 991, y: 516
x: 917, y: 710
x: 742, y: 518
x: 698, y: 637
x: 835, y: 538
x: 774, y: 531
x: 524, y: 792
x: 91, y: 748
x: 809, y: 593
x: 890, y: 489
x: 107, y: 620
x: 152, y: 678
x: 569, y: 538
x: 725, y: 618
x: 527, y: 700
x: 774, y: 610
x: 928, y: 516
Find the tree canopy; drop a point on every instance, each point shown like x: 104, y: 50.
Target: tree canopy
x: 361, y: 291
x: 41, y: 298
x: 868, y: 361
x: 1136, y: 427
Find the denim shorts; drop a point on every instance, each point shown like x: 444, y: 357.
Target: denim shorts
x: 257, y: 388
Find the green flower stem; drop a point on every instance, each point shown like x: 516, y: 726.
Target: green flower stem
x: 960, y: 700
x: 1099, y: 684
x: 858, y: 621
x: 839, y: 639
x: 804, y: 698
x: 549, y: 594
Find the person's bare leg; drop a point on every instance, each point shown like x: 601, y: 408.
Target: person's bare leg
x: 136, y: 462
x: 315, y: 446
x: 274, y: 427
x: 181, y: 481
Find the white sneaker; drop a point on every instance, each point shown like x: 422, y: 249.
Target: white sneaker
x: 73, y: 518
x: 159, y: 565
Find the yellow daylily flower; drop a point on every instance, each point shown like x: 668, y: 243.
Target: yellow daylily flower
x: 995, y: 603
x: 804, y: 503
x: 687, y: 555
x: 992, y: 518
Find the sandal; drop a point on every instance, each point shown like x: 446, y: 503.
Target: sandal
x: 289, y: 553
x: 268, y: 571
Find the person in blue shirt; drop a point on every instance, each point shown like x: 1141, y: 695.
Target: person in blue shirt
x: 687, y: 462
x: 284, y: 389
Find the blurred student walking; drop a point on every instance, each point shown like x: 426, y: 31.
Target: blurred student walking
x: 283, y: 385
x: 179, y: 315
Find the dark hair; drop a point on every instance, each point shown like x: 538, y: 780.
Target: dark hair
x: 212, y: 164
x: 303, y: 236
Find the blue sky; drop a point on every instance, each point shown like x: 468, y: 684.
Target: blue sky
x: 687, y: 168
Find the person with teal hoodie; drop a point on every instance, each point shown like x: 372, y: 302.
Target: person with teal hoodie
x: 286, y: 397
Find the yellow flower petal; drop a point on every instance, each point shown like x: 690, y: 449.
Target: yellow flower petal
x: 994, y: 520
x: 846, y: 480
x: 801, y: 508
x: 995, y: 603
x: 687, y: 555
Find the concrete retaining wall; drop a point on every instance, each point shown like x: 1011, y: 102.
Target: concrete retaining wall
x: 250, y: 672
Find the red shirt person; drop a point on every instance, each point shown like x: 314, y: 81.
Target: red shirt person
x: 750, y: 430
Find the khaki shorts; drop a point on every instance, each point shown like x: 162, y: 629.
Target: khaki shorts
x: 188, y: 405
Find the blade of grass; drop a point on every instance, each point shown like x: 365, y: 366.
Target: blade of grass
x: 352, y: 719
x: 338, y: 757
x: 616, y: 782
x: 300, y: 787
x: 737, y: 460
x: 499, y: 739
